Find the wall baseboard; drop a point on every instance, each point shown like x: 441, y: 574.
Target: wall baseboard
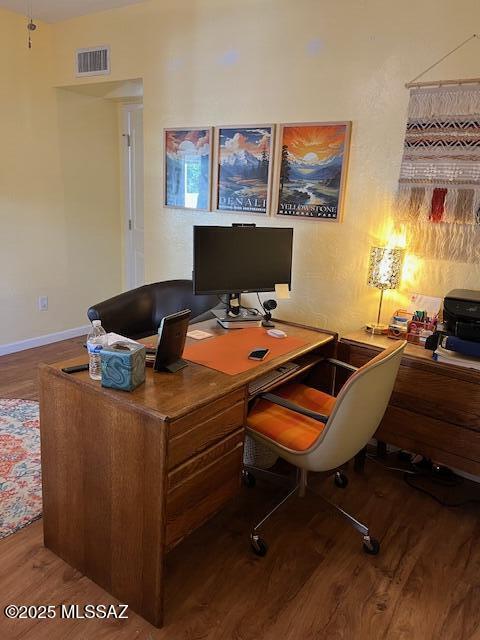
x: 30, y: 343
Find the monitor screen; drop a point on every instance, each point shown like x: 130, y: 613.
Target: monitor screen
x: 241, y: 258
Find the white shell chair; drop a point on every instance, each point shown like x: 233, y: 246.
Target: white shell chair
x: 323, y: 433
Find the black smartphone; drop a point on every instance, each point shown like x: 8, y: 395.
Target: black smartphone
x: 258, y: 354
x: 76, y: 368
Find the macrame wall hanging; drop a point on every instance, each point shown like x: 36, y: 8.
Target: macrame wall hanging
x: 438, y: 199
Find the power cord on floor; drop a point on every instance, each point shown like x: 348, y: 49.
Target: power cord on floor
x: 441, y: 476
x: 407, y: 479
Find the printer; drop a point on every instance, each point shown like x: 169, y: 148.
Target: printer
x: 461, y: 314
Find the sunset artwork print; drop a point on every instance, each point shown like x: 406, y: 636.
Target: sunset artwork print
x: 243, y: 181
x: 313, y: 160
x: 187, y: 168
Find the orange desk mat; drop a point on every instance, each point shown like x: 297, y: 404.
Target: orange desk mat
x: 229, y: 353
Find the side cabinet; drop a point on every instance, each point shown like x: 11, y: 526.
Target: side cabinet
x: 434, y: 409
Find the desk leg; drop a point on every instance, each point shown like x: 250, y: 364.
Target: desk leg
x: 359, y: 460
x: 381, y: 449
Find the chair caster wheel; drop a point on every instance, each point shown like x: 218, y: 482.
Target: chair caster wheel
x: 259, y: 546
x: 248, y: 479
x: 340, y: 480
x: 371, y: 546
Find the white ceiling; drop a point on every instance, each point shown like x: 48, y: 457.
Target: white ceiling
x: 56, y: 10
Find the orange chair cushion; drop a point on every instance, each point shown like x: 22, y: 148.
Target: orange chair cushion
x: 284, y: 426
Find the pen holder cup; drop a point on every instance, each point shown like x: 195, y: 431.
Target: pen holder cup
x: 398, y: 327
x: 417, y: 331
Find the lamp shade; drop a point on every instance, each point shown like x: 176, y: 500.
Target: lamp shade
x: 385, y: 267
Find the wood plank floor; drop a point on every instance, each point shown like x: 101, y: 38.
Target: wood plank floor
x: 19, y: 373
x: 315, y: 582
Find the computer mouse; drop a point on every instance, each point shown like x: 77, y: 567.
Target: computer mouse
x: 277, y: 333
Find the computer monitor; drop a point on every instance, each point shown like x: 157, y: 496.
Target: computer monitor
x: 241, y: 259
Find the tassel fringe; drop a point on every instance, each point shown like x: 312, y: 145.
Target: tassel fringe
x: 443, y: 241
x: 444, y: 101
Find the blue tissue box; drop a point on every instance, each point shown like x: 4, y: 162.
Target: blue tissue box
x: 123, y: 365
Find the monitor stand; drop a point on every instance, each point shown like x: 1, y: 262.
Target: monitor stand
x: 233, y: 316
x: 173, y: 367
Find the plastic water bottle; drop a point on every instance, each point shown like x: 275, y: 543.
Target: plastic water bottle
x: 95, y: 342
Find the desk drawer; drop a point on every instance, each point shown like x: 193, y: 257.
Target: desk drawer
x: 430, y: 391
x: 193, y: 499
x: 200, y: 462
x: 205, y: 434
x: 358, y: 356
x: 438, y: 396
x: 181, y: 425
x: 419, y: 429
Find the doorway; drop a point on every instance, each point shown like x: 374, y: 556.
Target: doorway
x: 134, y: 232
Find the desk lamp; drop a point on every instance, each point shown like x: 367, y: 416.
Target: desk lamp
x: 384, y: 272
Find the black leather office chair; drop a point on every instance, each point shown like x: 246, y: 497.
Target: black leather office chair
x: 138, y: 313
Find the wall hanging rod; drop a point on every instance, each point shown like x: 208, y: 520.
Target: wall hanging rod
x: 436, y: 83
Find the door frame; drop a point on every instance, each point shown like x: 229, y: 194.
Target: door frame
x: 131, y: 183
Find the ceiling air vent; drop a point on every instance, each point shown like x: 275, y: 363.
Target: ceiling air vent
x: 94, y: 61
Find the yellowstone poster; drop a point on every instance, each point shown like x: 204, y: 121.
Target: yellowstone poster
x: 187, y: 168
x: 244, y: 159
x: 313, y: 160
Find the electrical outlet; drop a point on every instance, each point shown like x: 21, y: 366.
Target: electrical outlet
x: 43, y: 303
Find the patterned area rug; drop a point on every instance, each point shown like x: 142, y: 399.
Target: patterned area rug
x: 20, y: 473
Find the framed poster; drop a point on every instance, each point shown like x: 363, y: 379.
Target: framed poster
x: 312, y: 161
x: 188, y: 168
x: 243, y: 168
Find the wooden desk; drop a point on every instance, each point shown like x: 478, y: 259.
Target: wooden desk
x: 435, y: 407
x: 126, y: 476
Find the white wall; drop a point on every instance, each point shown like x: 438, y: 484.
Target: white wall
x: 211, y: 62
x: 59, y: 192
